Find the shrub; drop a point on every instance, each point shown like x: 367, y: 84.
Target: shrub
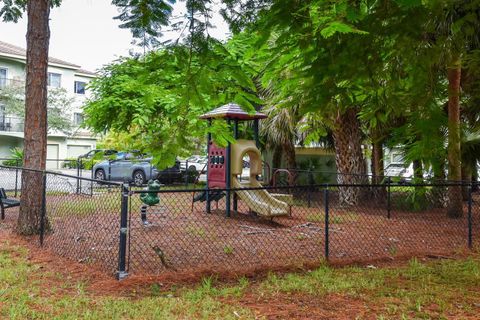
x: 70, y: 163
x: 86, y: 164
x: 89, y: 163
x: 415, y: 199
x: 16, y: 158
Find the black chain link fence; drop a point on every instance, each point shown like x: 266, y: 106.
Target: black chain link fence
x: 267, y: 228
x: 341, y: 223
x: 80, y: 219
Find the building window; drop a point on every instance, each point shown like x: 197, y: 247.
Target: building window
x: 3, y: 125
x: 78, y: 118
x: 80, y: 87
x: 54, y: 80
x: 3, y: 77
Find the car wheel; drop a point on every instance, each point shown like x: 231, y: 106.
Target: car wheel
x: 139, y: 178
x: 192, y: 168
x: 100, y: 174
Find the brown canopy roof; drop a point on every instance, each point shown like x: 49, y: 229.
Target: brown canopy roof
x: 232, y: 111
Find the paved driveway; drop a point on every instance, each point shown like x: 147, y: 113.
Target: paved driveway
x: 11, y: 179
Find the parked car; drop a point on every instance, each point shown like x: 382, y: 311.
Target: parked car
x: 128, y: 168
x: 195, y: 163
x: 399, y: 170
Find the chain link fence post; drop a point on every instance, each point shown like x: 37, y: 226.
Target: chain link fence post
x: 187, y: 172
x: 91, y: 177
x: 310, y: 183
x: 81, y: 175
x: 389, y: 203
x: 78, y: 175
x: 327, y: 224
x: 43, y: 211
x: 16, y: 177
x: 109, y: 173
x: 122, y: 254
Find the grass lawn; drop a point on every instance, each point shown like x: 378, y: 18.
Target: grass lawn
x: 434, y: 289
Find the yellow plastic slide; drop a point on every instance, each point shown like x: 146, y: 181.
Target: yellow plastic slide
x: 260, y: 201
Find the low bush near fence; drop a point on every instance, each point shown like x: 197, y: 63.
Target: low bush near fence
x: 74, y: 163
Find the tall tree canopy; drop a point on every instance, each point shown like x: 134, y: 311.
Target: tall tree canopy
x: 396, y: 73
x: 385, y: 73
x: 160, y: 97
x: 144, y: 18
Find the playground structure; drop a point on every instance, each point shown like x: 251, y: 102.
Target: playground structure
x: 225, y: 165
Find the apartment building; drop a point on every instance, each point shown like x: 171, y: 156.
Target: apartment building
x: 61, y: 74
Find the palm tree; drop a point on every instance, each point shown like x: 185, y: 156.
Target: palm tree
x: 349, y: 157
x: 286, y: 127
x: 454, y: 32
x: 279, y: 131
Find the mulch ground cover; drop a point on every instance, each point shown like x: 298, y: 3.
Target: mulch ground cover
x: 183, y: 241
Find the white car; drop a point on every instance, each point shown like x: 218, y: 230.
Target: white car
x: 399, y: 170
x: 194, y: 163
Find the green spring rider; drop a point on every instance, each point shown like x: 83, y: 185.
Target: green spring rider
x: 150, y: 198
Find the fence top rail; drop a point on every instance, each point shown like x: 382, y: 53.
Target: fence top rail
x: 64, y: 159
x: 310, y: 187
x: 113, y: 183
x: 369, y: 175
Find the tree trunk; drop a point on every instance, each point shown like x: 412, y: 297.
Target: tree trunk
x: 378, y: 170
x: 467, y: 179
x: 455, y: 209
x: 277, y: 158
x: 439, y: 192
x: 35, y: 144
x: 418, y: 171
x: 377, y: 162
x: 291, y: 161
x: 349, y: 156
x: 474, y: 178
x: 289, y: 152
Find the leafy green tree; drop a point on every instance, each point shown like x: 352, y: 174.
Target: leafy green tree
x: 144, y: 18
x: 38, y: 35
x: 377, y: 71
x: 327, y: 55
x: 280, y: 133
x: 161, y: 96
x: 322, y: 57
x: 120, y: 140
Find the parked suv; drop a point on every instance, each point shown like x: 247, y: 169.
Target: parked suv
x: 128, y: 168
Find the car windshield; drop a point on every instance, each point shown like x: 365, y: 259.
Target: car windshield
x: 192, y: 159
x: 396, y: 166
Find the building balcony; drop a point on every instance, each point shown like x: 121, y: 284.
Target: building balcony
x: 11, y: 124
